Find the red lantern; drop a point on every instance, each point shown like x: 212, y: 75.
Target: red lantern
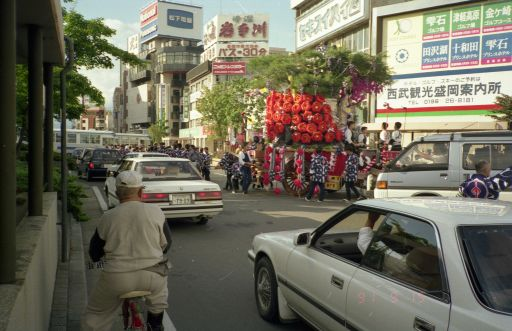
x: 322, y: 127
x: 279, y: 128
x: 307, y: 115
x: 317, y: 136
x: 300, y: 151
x: 266, y: 165
x: 276, y: 107
x: 298, y: 161
x: 298, y: 183
x: 302, y: 127
x: 306, y: 106
x: 317, y: 118
x: 287, y: 107
x: 296, y: 109
x: 329, y: 137
x: 316, y: 107
x: 287, y: 119
x: 319, y: 98
x: 305, y: 138
x: 278, y: 178
x: 311, y: 128
x: 299, y: 170
x: 288, y: 98
x: 276, y: 117
x: 296, y: 137
x: 326, y: 109
x: 339, y: 135
x: 296, y: 119
x: 277, y: 168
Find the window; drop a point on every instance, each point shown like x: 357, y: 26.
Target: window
x: 167, y: 170
x: 499, y: 155
x: 423, y: 156
x: 125, y: 165
x: 488, y: 256
x: 57, y: 136
x: 106, y: 155
x: 406, y: 250
x: 341, y: 238
x: 71, y: 138
x: 84, y: 138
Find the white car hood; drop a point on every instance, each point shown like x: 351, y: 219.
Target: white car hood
x: 170, y: 186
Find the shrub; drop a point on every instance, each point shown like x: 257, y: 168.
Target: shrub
x: 75, y: 195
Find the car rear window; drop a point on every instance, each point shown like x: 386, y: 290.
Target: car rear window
x: 488, y: 255
x: 107, y: 155
x: 167, y: 170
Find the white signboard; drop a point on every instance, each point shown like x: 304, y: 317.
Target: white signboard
x: 134, y: 44
x: 171, y: 20
x: 235, y: 50
x: 236, y: 28
x: 330, y: 17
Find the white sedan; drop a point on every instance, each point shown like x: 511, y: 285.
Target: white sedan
x: 174, y: 185
x: 432, y: 264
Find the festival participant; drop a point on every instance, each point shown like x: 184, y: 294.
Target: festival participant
x: 205, y: 160
x: 384, y: 137
x: 318, y: 174
x: 396, y: 138
x: 482, y: 186
x: 350, y: 174
x: 226, y: 164
x: 245, y: 167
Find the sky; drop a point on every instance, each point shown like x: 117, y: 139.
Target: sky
x: 123, y: 16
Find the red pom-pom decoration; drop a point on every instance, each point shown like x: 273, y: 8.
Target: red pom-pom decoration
x: 296, y: 137
x: 311, y: 128
x: 297, y: 182
x: 276, y: 117
x: 329, y: 137
x: 277, y: 168
x: 287, y: 119
x: 316, y: 107
x: 306, y: 106
x: 279, y: 128
x: 277, y: 191
x: 287, y: 107
x: 296, y: 109
x: 326, y: 109
x: 296, y: 119
x: 298, y: 161
x: 299, y: 170
x: 317, y: 136
x: 305, y: 138
x: 318, y: 118
x: 319, y: 98
x: 322, y: 127
x: 302, y: 127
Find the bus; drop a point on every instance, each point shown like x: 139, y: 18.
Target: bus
x: 95, y: 138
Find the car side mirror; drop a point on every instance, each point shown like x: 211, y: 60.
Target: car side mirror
x: 302, y: 239
x: 113, y: 173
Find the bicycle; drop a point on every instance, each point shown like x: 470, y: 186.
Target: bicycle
x: 133, y: 316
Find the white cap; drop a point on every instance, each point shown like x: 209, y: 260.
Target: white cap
x: 129, y: 178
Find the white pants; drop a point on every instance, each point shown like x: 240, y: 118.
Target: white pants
x: 104, y: 302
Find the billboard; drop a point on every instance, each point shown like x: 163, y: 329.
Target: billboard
x: 447, y: 62
x: 170, y: 19
x: 236, y: 49
x: 332, y: 16
x: 228, y: 68
x: 134, y: 44
x: 236, y: 28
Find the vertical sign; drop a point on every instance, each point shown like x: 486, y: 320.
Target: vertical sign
x: 466, y: 21
x: 436, y: 25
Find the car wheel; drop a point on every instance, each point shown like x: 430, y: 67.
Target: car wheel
x: 265, y: 289
x: 202, y: 221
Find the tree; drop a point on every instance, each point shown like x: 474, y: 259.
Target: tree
x: 504, y: 101
x: 229, y: 104
x: 157, y: 131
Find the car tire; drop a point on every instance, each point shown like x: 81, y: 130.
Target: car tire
x: 202, y: 221
x: 265, y: 290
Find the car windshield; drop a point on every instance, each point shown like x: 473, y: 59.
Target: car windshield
x: 167, y: 170
x: 488, y: 251
x: 106, y: 154
x: 423, y: 156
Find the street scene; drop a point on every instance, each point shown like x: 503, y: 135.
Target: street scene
x: 272, y: 165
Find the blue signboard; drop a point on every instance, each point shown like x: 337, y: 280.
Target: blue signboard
x: 148, y: 32
x: 497, y: 48
x: 180, y: 19
x: 465, y: 52
x: 434, y: 55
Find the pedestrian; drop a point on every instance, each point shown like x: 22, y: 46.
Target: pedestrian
x: 134, y: 238
x: 349, y: 133
x: 226, y: 164
x: 236, y: 176
x: 384, y: 137
x: 396, y: 138
x: 350, y: 174
x: 318, y: 173
x: 205, y: 162
x: 245, y: 167
x: 482, y: 186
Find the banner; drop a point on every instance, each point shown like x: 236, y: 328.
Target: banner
x: 228, y: 68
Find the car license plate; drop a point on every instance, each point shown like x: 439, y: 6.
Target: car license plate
x: 181, y: 199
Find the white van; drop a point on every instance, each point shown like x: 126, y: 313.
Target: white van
x: 436, y: 165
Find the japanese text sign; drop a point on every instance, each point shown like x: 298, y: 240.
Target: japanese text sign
x: 236, y: 28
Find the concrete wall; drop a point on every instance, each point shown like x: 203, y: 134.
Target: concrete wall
x: 27, y: 304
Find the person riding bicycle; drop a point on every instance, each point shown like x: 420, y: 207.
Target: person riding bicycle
x: 133, y: 238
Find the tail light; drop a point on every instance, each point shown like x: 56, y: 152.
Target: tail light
x: 155, y: 197
x: 211, y: 195
x: 91, y: 165
x: 382, y: 184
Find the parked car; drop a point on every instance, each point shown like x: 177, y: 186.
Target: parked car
x: 436, y: 165
x: 174, y: 185
x: 432, y: 264
x: 143, y: 154
x: 96, y: 162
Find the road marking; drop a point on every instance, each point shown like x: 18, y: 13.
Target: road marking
x: 226, y: 276
x: 168, y: 325
x: 99, y: 197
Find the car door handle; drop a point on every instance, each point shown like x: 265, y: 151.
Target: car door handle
x: 422, y: 325
x: 337, y: 282
x: 443, y: 175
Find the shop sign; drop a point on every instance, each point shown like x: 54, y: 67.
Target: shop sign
x: 330, y: 17
x: 149, y: 14
x: 236, y: 28
x: 180, y: 19
x: 232, y: 50
x: 454, y: 61
x: 229, y: 68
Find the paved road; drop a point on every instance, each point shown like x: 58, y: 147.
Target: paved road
x: 211, y: 282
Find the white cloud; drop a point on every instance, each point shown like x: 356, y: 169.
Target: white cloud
x: 106, y: 80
